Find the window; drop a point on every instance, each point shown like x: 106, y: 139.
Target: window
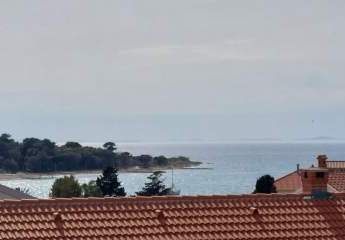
x: 320, y: 175
x: 305, y: 175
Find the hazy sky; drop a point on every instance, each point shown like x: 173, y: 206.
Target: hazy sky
x: 172, y: 70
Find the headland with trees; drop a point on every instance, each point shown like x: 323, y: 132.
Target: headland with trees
x: 33, y: 155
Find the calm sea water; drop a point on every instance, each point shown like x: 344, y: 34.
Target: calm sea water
x: 234, y: 166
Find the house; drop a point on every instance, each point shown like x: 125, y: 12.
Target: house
x: 9, y: 193
x: 328, y: 175
x: 256, y: 216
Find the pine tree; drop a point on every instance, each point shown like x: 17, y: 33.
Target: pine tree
x: 109, y: 183
x: 110, y: 146
x: 155, y: 187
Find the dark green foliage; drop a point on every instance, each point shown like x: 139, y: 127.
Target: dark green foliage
x: 72, y: 145
x: 145, y: 161
x: 155, y: 186
x: 110, y: 146
x: 66, y: 187
x: 6, y: 138
x: 125, y: 160
x: 161, y: 161
x: 10, y: 155
x: 91, y: 190
x: 10, y: 165
x: 265, y: 184
x: 109, y: 183
x: 36, y: 155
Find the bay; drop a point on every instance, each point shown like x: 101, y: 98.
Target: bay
x: 230, y: 168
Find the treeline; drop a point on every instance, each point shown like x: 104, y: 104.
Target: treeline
x: 36, y: 155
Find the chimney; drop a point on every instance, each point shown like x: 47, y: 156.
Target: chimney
x: 322, y: 160
x: 314, y: 180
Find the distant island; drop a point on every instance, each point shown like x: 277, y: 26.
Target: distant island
x: 319, y: 138
x: 33, y: 155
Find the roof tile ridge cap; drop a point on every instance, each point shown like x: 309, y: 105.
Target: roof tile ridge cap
x: 183, y: 197
x: 214, y: 196
x: 339, y: 194
x: 156, y: 197
x: 167, y: 197
x: 86, y: 199
x: 12, y: 202
x: 207, y: 197
x: 275, y: 195
x: 73, y: 200
x: 285, y: 176
x: 28, y: 200
x: 91, y: 200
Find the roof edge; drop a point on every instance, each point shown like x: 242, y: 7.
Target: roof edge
x: 285, y: 176
x: 162, y: 198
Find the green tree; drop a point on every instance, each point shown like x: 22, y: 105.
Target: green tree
x: 265, y: 184
x: 110, y: 146
x: 125, y: 159
x: 38, y: 154
x: 72, y: 145
x: 6, y: 138
x: 145, y: 160
x: 43, y: 155
x: 155, y: 186
x: 9, y: 153
x: 91, y: 190
x: 161, y: 161
x: 109, y: 183
x: 66, y: 187
x: 10, y: 165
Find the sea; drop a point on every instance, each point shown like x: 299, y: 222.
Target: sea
x: 227, y: 168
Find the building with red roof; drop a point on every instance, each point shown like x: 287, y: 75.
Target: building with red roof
x: 327, y: 176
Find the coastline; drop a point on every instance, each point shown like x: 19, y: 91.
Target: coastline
x: 33, y: 176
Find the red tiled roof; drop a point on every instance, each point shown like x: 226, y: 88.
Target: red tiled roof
x: 292, y: 183
x: 337, y: 180
x: 255, y: 217
x: 289, y: 183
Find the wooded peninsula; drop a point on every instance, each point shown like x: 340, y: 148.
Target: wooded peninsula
x: 34, y: 155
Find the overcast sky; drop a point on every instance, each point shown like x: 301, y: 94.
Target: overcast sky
x: 172, y: 70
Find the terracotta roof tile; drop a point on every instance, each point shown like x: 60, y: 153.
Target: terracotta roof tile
x: 289, y: 183
x: 202, y: 217
x: 337, y: 180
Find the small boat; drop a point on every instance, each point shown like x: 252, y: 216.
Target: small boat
x: 172, y: 190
